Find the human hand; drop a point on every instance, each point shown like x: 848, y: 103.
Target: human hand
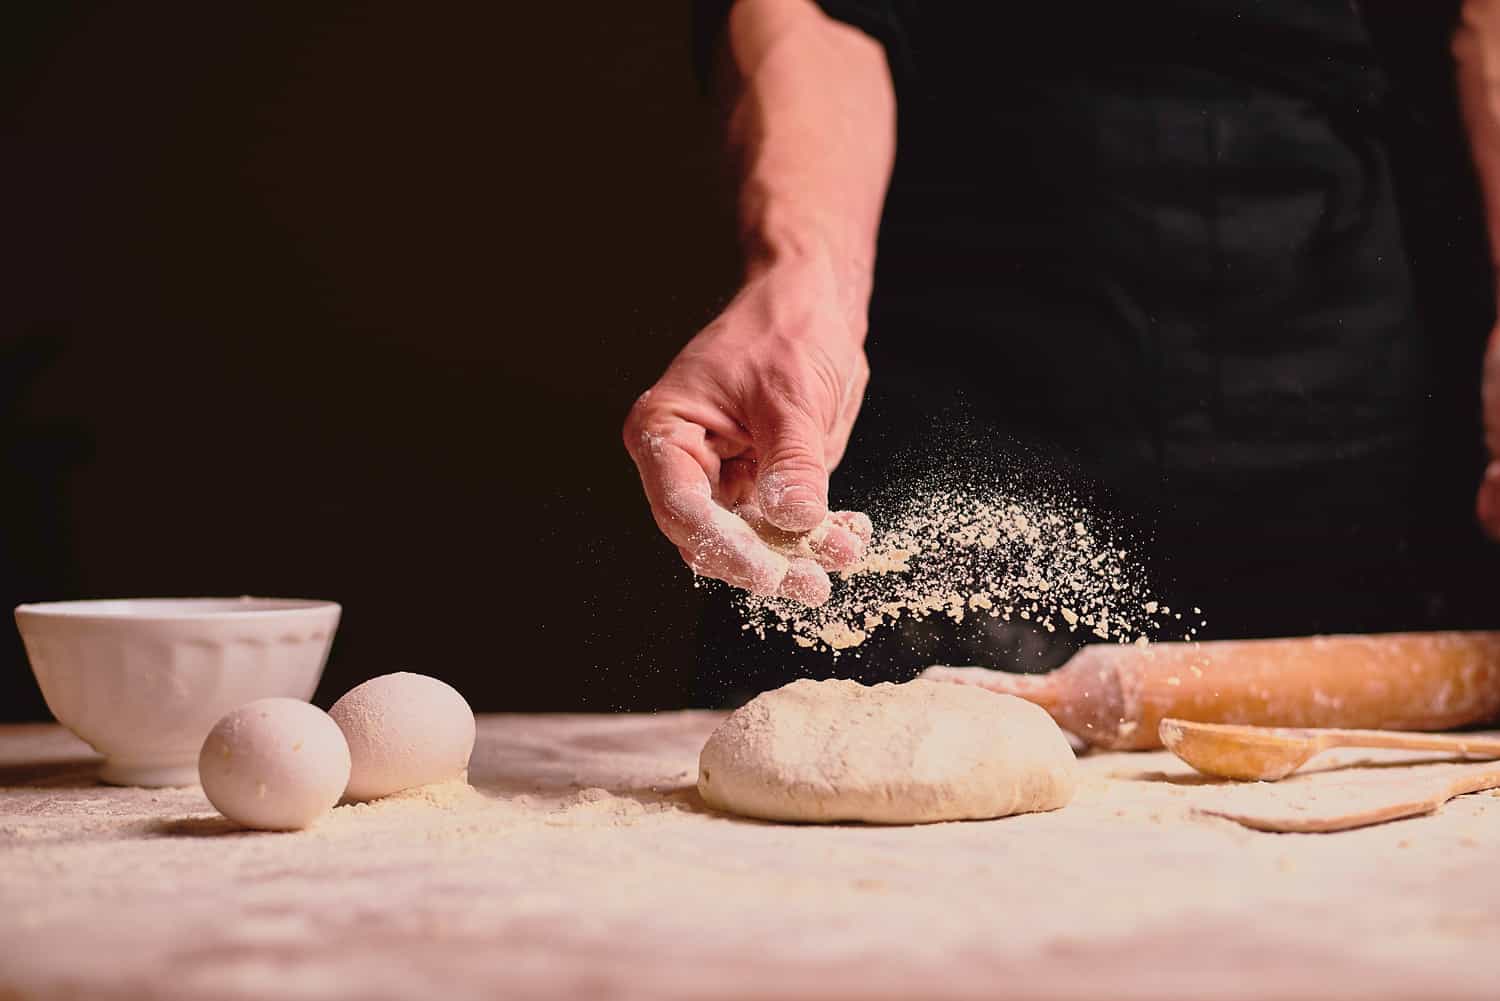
x: 735, y: 441
x: 1488, y: 503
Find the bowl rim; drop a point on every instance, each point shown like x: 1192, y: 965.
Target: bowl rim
x: 121, y: 610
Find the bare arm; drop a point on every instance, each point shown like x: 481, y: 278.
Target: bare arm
x: 814, y: 127
x: 1476, y: 49
x: 735, y: 441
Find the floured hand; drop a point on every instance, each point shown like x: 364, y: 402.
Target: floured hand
x: 735, y: 441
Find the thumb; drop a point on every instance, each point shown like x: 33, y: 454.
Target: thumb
x: 791, y: 481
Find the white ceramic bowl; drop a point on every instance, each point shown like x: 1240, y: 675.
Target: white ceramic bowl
x: 144, y: 679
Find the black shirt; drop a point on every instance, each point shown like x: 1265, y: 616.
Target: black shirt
x: 1158, y: 245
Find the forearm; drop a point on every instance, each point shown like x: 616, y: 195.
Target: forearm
x: 1476, y: 50
x: 813, y: 127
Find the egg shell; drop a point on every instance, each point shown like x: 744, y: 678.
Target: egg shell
x: 274, y: 764
x: 404, y: 730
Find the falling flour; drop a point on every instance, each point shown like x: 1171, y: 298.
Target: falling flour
x: 959, y: 553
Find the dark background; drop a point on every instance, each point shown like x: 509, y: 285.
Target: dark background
x: 348, y: 301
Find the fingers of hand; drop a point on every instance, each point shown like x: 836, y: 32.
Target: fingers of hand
x: 843, y: 541
x: 838, y: 549
x: 717, y: 542
x: 736, y: 486
x: 792, y: 481
x: 806, y: 582
x: 711, y: 539
x: 838, y: 542
x: 794, y: 500
x: 720, y: 544
x: 857, y: 522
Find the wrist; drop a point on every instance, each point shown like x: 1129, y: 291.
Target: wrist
x: 801, y: 251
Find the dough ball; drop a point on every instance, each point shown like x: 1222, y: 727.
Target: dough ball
x: 824, y: 751
x: 404, y: 730
x: 274, y: 764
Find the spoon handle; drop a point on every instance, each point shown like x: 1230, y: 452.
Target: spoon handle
x: 1475, y: 746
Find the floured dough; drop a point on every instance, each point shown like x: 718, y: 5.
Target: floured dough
x: 889, y: 754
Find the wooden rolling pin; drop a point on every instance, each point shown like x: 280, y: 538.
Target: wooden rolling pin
x: 1116, y: 696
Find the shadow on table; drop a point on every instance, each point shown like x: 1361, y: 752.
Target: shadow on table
x: 688, y: 800
x: 81, y: 772
x: 681, y: 797
x: 195, y: 827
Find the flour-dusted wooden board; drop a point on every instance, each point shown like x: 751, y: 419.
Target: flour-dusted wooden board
x: 583, y: 865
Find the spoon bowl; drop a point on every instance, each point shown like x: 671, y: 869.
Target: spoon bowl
x: 1264, y: 755
x: 1268, y: 753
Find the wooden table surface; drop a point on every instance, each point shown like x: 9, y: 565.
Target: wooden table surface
x: 581, y: 864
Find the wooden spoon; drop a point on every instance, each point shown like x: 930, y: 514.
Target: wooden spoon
x: 1265, y: 754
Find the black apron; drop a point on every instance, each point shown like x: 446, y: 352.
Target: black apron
x: 1153, y: 248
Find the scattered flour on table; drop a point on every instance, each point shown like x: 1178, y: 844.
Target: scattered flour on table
x: 456, y: 811
x: 451, y: 796
x: 959, y: 553
x: 474, y: 893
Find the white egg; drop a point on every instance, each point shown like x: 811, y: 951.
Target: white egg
x: 404, y: 730
x: 274, y: 764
